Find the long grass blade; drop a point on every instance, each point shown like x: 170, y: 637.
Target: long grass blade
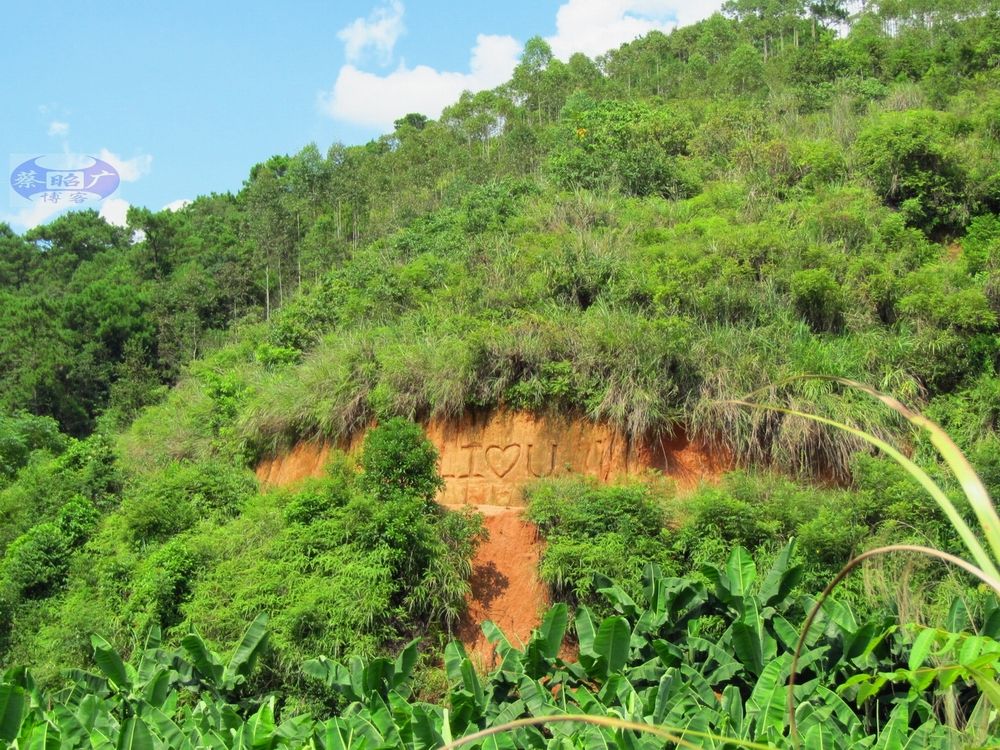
x: 971, y: 541
x: 990, y: 580
x: 973, y: 487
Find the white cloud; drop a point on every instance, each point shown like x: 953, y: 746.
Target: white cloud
x: 376, y: 100
x: 692, y: 11
x: 59, y: 129
x: 114, y: 211
x: 176, y: 205
x: 589, y: 26
x: 595, y: 26
x: 129, y: 170
x: 32, y: 215
x: 379, y: 32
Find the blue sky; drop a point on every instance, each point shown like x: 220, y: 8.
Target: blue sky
x: 183, y: 98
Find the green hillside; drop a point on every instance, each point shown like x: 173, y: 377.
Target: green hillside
x: 642, y: 239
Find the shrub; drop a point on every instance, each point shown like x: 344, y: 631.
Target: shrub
x: 762, y: 512
x: 77, y: 520
x: 170, y: 501
x: 584, y: 509
x: 576, y: 569
x: 351, y: 609
x: 741, y: 512
x: 86, y: 469
x: 911, y: 160
x: 981, y: 244
x: 945, y: 298
x: 36, y: 563
x: 152, y: 516
x: 398, y: 458
x: 89, y: 467
x: 631, y: 144
x: 595, y: 532
x: 819, y: 162
x: 20, y: 435
x: 819, y: 299
x: 319, y: 499
x: 831, y: 538
x: 489, y: 207
x: 162, y: 583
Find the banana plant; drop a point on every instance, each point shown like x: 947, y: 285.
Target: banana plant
x: 359, y: 682
x: 208, y: 667
x: 664, y: 667
x: 944, y: 662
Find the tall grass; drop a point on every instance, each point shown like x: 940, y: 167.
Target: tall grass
x: 762, y: 361
x: 637, y: 372
x: 325, y: 397
x: 628, y: 370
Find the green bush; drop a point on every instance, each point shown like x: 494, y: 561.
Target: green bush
x: 78, y: 519
x: 819, y: 162
x: 490, y: 207
x: 22, y: 434
x: 819, y: 299
x: 36, y: 563
x: 591, y: 530
x: 348, y: 563
x: 981, y: 244
x: 89, y: 468
x: 162, y: 583
x: 946, y: 299
x: 831, y: 538
x: 628, y: 145
x: 317, y: 500
x: 398, y: 458
x: 86, y: 469
x: 152, y: 516
x: 762, y: 513
x: 755, y: 512
x: 174, y: 499
x: 886, y: 495
x: 585, y: 509
x: 912, y: 162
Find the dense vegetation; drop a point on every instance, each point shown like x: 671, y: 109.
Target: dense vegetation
x: 640, y: 239
x: 701, y: 663
x: 594, y: 534
x: 353, y: 563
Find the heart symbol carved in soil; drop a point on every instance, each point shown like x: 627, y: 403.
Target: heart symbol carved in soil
x: 502, y: 460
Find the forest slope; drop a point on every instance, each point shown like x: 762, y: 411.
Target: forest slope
x: 634, y: 241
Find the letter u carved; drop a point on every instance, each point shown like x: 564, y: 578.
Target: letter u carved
x: 552, y: 463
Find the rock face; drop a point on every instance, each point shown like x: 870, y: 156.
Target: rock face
x: 487, y: 459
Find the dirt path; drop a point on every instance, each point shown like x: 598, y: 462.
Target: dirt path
x: 505, y: 584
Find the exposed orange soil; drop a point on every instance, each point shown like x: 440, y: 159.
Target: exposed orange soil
x: 485, y: 460
x: 505, y: 584
x: 687, y: 463
x: 303, y: 461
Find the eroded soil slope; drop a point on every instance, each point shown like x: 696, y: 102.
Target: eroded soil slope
x: 505, y: 584
x: 485, y: 461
